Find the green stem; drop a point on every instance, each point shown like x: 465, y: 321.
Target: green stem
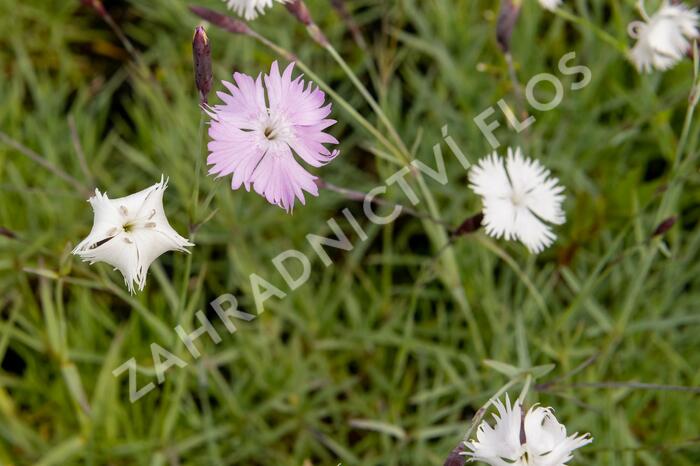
x: 131, y: 50
x: 517, y: 87
x: 193, y: 220
x: 525, y: 390
x: 370, y: 100
x: 602, y: 34
x: 650, y: 254
x: 665, y: 206
x: 438, y: 234
x: 197, y: 168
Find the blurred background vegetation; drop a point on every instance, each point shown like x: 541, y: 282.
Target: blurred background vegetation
x: 375, y: 361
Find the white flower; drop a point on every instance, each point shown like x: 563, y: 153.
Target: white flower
x: 664, y: 39
x: 250, y: 9
x: 537, y: 439
x: 550, y: 5
x: 518, y: 198
x: 129, y: 233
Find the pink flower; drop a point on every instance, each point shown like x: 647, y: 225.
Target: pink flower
x: 254, y: 138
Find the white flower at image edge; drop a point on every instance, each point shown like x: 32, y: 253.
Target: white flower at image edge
x: 537, y: 439
x: 129, y: 233
x: 665, y: 38
x: 518, y: 197
x: 250, y: 9
x: 550, y: 5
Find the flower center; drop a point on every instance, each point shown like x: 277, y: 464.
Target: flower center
x: 128, y: 227
x: 275, y: 128
x: 131, y: 223
x: 518, y: 199
x: 270, y: 133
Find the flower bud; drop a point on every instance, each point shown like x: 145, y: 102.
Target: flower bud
x: 95, y: 5
x: 456, y: 457
x: 7, y: 233
x: 470, y: 225
x: 664, y: 226
x: 201, y: 56
x: 301, y: 12
x: 507, y: 17
x: 224, y: 22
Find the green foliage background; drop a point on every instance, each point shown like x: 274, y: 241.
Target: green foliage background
x: 375, y: 361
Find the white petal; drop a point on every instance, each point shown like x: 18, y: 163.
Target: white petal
x: 545, y: 440
x: 545, y: 200
x: 665, y: 39
x: 250, y: 9
x: 488, y: 177
x: 119, y: 252
x: 642, y: 55
x: 137, y: 203
x: 550, y: 4
x: 152, y: 243
x: 532, y: 232
x: 499, y: 445
x: 500, y: 218
x: 518, y: 197
x: 542, y: 431
x: 547, y: 443
x: 525, y: 174
x: 562, y: 453
x: 107, y: 222
x: 129, y: 233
